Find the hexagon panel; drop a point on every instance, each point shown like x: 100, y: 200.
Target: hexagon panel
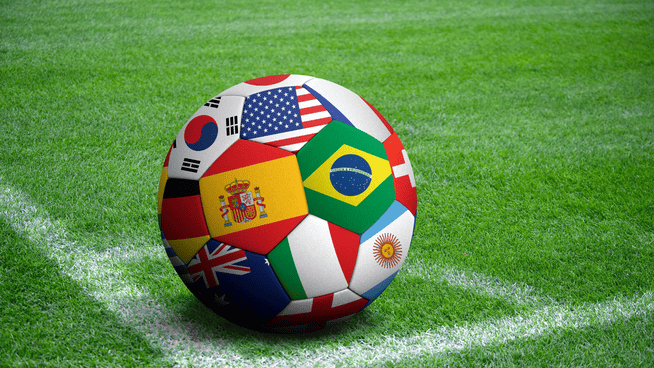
x: 347, y: 177
x: 206, y: 135
x: 316, y: 258
x: 252, y: 196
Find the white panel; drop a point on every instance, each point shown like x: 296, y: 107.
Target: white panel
x: 297, y: 307
x: 343, y: 297
x: 244, y: 89
x: 372, y: 267
x: 352, y: 106
x: 315, y: 258
x: 190, y: 161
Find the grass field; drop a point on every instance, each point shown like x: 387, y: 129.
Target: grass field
x: 530, y: 128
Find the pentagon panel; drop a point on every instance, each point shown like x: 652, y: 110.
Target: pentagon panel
x: 316, y: 258
x: 405, y: 182
x: 314, y: 314
x: 382, y: 251
x: 206, y: 135
x: 182, y: 219
x: 252, y: 196
x: 284, y: 117
x: 244, y: 282
x: 265, y: 83
x: 347, y: 107
x: 347, y: 177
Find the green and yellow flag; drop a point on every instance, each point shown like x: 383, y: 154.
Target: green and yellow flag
x: 346, y: 176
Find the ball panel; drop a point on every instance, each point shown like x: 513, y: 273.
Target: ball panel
x: 246, y: 189
x: 243, y: 278
x: 178, y: 264
x: 383, y: 249
x: 381, y: 118
x: 262, y: 238
x: 188, y: 247
x: 253, y: 196
x: 308, y: 262
x: 376, y: 290
x: 348, y: 104
x: 245, y: 89
x: 162, y: 185
x: 346, y: 244
x: 284, y: 117
x: 267, y: 81
x: 182, y: 218
x: 206, y: 135
x: 328, y: 194
x: 314, y: 314
x: 163, y: 179
x: 281, y: 260
x: 405, y: 182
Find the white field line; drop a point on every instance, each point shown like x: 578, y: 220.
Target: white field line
x: 517, y: 292
x: 190, y: 344
x: 540, y: 322
x: 98, y: 274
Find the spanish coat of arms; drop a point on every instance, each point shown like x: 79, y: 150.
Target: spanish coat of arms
x: 242, y: 203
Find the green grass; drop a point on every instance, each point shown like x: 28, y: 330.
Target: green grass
x: 623, y: 344
x: 48, y: 319
x: 530, y: 127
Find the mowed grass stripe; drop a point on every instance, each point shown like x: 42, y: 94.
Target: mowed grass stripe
x: 529, y: 127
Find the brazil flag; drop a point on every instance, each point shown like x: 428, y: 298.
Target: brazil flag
x: 346, y: 176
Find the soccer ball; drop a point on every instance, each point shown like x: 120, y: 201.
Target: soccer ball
x: 287, y: 203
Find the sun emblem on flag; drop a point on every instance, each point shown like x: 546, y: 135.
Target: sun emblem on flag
x: 387, y: 250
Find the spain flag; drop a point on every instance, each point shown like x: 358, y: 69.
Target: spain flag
x: 347, y: 177
x: 252, y: 196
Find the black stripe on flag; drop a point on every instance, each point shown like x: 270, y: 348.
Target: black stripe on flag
x: 176, y: 188
x: 214, y: 102
x: 190, y: 165
x: 231, y: 125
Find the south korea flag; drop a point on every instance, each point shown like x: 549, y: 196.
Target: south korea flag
x: 206, y: 135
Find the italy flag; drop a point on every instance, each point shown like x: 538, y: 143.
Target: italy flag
x: 316, y: 258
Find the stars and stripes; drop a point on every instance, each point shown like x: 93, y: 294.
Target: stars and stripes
x: 216, y: 257
x: 285, y: 117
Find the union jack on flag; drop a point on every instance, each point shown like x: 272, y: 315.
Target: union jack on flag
x: 285, y: 117
x: 216, y: 257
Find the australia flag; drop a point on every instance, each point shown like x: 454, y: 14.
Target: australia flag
x: 242, y: 283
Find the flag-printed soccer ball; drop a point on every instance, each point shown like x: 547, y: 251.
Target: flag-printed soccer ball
x: 287, y: 203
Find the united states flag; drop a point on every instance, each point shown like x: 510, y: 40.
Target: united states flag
x: 286, y: 117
